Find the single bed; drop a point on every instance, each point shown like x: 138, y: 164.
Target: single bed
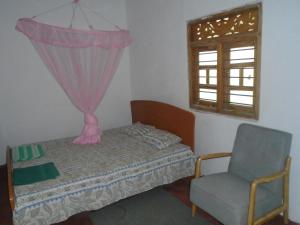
x: 94, y: 176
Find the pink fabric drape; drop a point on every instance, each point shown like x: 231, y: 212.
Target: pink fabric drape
x: 82, y: 62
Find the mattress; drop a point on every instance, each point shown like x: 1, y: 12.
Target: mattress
x: 93, y: 176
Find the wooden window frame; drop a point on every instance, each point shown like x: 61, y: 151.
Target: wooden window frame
x: 222, y: 44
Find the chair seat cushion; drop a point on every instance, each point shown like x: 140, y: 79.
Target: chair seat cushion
x: 226, y: 197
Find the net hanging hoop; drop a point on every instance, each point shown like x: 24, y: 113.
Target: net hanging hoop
x: 83, y: 62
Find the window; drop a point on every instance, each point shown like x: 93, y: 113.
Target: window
x: 224, y: 62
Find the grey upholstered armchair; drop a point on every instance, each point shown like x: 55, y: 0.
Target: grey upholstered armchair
x: 256, y: 186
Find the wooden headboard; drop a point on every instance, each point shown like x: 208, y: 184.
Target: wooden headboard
x: 166, y: 117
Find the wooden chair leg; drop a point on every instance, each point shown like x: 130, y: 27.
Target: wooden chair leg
x: 194, y: 210
x: 286, y: 216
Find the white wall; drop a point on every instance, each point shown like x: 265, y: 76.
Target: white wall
x: 32, y: 105
x: 158, y: 63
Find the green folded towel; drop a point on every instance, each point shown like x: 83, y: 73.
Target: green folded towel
x: 32, y: 174
x: 27, y: 152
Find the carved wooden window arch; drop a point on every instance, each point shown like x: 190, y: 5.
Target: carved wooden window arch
x: 224, y: 62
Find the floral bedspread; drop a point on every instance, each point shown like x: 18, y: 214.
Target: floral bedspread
x: 93, y: 176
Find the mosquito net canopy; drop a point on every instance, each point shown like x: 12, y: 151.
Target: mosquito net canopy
x: 83, y: 62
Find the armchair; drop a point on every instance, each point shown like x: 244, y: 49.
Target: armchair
x: 256, y: 186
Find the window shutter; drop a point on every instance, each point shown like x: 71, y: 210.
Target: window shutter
x: 224, y: 59
x: 240, y: 66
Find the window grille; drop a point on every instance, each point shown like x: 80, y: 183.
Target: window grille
x: 224, y: 62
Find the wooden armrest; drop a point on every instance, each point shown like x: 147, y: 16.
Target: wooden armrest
x: 267, y: 179
x: 206, y: 157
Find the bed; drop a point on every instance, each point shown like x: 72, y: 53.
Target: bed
x: 94, y: 176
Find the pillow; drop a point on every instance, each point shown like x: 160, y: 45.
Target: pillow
x: 160, y: 138
x: 138, y: 129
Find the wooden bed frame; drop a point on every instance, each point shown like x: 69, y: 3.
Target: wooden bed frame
x: 161, y: 115
x: 166, y: 117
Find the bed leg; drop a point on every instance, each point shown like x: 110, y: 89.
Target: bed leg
x: 194, y: 210
x: 9, y: 178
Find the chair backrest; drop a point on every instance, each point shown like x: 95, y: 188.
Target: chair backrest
x: 259, y: 151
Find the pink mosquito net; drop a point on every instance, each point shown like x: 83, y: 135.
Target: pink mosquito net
x: 83, y: 62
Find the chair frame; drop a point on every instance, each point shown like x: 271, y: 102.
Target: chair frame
x: 284, y: 174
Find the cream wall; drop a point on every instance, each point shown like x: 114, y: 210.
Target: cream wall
x: 32, y: 105
x: 158, y: 63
